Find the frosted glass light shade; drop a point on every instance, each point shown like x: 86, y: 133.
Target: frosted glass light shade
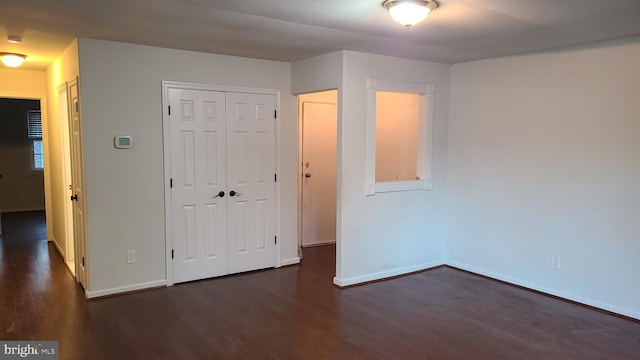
x: 12, y: 60
x: 409, y: 12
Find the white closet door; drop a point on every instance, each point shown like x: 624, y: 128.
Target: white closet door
x: 77, y: 177
x: 250, y: 176
x: 223, y: 186
x: 198, y: 168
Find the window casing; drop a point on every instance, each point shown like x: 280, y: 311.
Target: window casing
x: 392, y: 153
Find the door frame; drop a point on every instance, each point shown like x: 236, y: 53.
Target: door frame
x: 67, y: 176
x: 11, y: 93
x: 304, y: 170
x: 300, y: 168
x: 166, y: 134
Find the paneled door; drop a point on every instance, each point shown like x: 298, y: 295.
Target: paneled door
x: 77, y: 177
x: 222, y: 202
x: 251, y: 181
x: 198, y: 162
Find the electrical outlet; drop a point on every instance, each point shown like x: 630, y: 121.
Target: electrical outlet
x: 131, y: 256
x: 555, y: 262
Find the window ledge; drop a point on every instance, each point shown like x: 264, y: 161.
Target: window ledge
x: 381, y: 187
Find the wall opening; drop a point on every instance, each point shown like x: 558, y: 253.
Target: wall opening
x: 399, y: 136
x: 318, y: 126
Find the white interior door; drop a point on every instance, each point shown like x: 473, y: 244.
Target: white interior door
x: 77, y: 166
x: 222, y: 148
x: 251, y: 181
x: 63, y: 103
x: 198, y: 162
x: 319, y: 149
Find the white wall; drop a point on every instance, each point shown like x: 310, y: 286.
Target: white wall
x: 389, y: 233
x: 543, y: 159
x: 121, y: 91
x: 319, y: 73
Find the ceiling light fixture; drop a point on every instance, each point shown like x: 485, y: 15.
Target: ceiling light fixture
x: 409, y: 12
x: 12, y: 60
x: 14, y: 39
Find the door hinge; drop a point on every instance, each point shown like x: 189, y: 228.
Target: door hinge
x: 77, y: 107
x: 275, y: 114
x: 275, y: 239
x: 171, y: 183
x: 169, y: 109
x: 83, y: 261
x: 275, y: 177
x: 172, y: 253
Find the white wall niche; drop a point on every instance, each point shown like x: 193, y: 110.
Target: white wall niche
x: 423, y: 181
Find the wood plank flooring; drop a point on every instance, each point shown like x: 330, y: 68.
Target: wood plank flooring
x: 294, y: 313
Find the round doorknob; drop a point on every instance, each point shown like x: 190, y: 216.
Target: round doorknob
x: 307, y: 175
x: 220, y: 194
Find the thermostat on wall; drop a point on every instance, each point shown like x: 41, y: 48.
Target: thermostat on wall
x: 122, y: 142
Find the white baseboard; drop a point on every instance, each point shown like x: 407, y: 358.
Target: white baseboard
x: 70, y: 266
x: 291, y: 261
x: 385, y: 274
x: 124, y: 289
x: 554, y: 292
x: 57, y: 246
x: 319, y: 244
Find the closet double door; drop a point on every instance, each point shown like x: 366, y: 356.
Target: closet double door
x: 222, y: 182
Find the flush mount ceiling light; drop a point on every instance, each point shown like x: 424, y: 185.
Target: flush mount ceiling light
x: 409, y: 12
x: 12, y: 60
x: 14, y: 39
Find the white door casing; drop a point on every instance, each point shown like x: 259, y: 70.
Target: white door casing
x: 219, y: 142
x: 319, y: 182
x: 78, y: 197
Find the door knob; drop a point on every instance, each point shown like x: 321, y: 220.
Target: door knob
x: 233, y: 193
x: 307, y: 175
x: 220, y: 194
x: 74, y: 197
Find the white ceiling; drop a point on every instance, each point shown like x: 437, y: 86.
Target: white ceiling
x: 290, y: 30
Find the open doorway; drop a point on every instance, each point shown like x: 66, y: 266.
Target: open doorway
x: 318, y: 123
x: 21, y: 156
x: 22, y: 195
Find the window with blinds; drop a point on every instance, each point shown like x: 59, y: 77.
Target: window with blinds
x: 34, y: 134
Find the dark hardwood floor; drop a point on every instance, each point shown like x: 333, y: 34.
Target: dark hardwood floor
x: 294, y: 313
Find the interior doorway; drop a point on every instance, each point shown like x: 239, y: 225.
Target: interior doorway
x: 21, y: 156
x: 42, y: 157
x: 318, y: 123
